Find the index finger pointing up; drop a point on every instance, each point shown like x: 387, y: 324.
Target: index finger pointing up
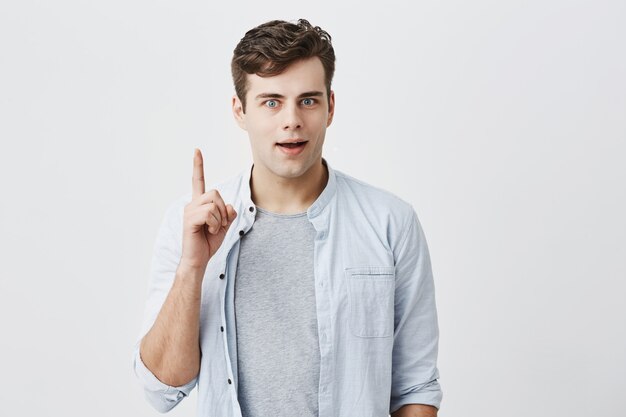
x: 197, y: 181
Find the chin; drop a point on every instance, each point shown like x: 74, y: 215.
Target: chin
x: 290, y: 171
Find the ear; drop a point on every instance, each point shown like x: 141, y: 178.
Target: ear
x: 238, y: 113
x: 331, y: 108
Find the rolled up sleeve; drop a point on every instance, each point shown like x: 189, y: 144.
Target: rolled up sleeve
x: 161, y: 396
x: 416, y: 332
x: 165, y: 260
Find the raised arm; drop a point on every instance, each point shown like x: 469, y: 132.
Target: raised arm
x: 169, y: 353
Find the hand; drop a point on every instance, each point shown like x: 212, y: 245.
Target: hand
x: 206, y: 220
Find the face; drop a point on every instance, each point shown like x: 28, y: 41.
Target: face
x: 291, y: 106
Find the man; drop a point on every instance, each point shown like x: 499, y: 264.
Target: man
x: 292, y: 289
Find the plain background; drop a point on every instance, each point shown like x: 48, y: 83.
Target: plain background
x: 502, y: 122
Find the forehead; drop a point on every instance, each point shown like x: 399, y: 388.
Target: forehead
x: 301, y: 76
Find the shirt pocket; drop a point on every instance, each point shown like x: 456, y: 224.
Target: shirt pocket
x: 371, y: 300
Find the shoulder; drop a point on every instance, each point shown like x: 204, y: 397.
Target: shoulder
x: 371, y: 196
x: 389, y: 216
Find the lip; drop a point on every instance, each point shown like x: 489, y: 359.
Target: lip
x: 292, y: 151
x: 292, y: 140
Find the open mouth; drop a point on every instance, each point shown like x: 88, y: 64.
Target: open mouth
x: 292, y: 145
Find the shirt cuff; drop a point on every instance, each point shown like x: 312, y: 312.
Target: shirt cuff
x: 161, y: 396
x: 431, y: 394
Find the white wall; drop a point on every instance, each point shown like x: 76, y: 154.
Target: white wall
x: 502, y: 122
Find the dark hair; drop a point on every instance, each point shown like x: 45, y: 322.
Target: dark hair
x: 269, y: 48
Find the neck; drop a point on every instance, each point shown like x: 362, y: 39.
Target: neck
x: 287, y: 195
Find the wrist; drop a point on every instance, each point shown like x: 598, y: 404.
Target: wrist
x: 190, y: 272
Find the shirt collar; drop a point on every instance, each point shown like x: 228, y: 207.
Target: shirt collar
x: 313, y: 211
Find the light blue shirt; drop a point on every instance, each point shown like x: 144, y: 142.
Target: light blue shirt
x: 375, y: 302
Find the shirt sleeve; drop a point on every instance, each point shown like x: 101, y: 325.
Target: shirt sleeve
x: 165, y: 259
x: 161, y: 396
x: 416, y: 331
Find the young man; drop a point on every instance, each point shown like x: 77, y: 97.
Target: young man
x: 293, y: 288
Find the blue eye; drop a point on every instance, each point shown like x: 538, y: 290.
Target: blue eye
x: 271, y: 103
x: 308, y: 101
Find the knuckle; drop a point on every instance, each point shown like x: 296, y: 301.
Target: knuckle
x: 214, y: 193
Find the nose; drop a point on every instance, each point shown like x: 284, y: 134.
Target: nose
x: 292, y: 118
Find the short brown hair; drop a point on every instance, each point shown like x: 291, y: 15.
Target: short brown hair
x: 269, y: 48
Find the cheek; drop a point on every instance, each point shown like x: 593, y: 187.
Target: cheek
x: 259, y: 126
x: 319, y: 120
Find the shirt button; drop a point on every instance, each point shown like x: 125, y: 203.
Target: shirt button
x: 251, y: 208
x: 222, y: 276
x: 229, y: 381
x: 241, y: 233
x: 222, y: 328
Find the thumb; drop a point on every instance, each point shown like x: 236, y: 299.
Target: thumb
x: 231, y: 215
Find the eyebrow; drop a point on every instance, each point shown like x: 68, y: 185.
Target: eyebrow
x: 274, y: 95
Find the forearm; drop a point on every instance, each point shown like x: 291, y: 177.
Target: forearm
x: 171, y: 348
x: 415, y: 410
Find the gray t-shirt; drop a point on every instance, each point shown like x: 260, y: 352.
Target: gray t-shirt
x: 278, y: 350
